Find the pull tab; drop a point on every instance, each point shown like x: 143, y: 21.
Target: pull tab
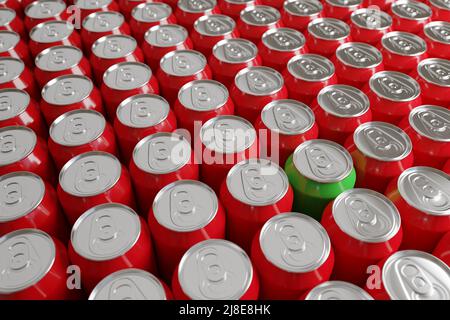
x: 12, y: 194
x: 215, y: 26
x: 236, y: 52
x: 402, y: 44
x: 64, y: 90
x: 159, y: 155
x: 288, y: 119
x: 224, y: 135
x: 124, y: 77
x: 258, y: 82
x: 382, y: 142
x: 57, y: 58
x: 6, y: 105
x: 101, y: 22
x: 50, y: 31
x: 201, y: 97
x: 76, y: 130
x: 103, y: 234
x: 285, y: 40
x: 434, y: 124
x: 3, y: 70
x: 181, y: 64
x: 256, y: 187
x: 149, y: 14
x: 439, y: 72
x: 22, y: 262
x: 8, y: 144
x: 140, y: 112
x: 182, y: 208
x: 112, y: 46
x: 429, y: 192
x: 311, y: 68
x: 322, y: 164
x: 164, y: 36
x: 125, y: 289
x: 414, y: 278
x: 344, y: 102
x: 89, y: 178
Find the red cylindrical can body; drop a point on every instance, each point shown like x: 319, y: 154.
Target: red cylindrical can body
x: 298, y: 14
x: 436, y: 35
x: 341, y: 10
x: 440, y: 9
x: 14, y: 74
x: 410, y: 15
x: 14, y: 46
x: 187, y: 11
x: 446, y: 167
x: 369, y: 25
x: 87, y: 7
x: 325, y: 35
x: 442, y: 250
x: 233, y: 8
x: 44, y: 10
x: 256, y: 20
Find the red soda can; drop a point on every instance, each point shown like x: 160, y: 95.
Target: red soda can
x: 58, y: 61
x: 443, y: 248
x: 441, y: 10
x: 22, y: 150
x: 369, y: 25
x: 392, y: 95
x: 364, y: 227
x: 279, y: 45
x: 446, y: 167
x: 44, y: 10
x: 341, y: 9
x: 273, y: 3
x: 224, y: 271
x: 107, y: 238
x: 162, y: 39
x: 422, y: 196
x: 188, y: 11
x: 18, y: 109
x: 13, y: 46
x: 336, y: 290
x: 428, y: 127
x: 292, y: 254
x: 410, y: 15
x: 86, y: 7
x: 231, y: 56
x: 180, y: 67
x: 254, y: 191
x: 127, y: 6
x: 210, y: 29
x: 297, y: 14
x: 184, y: 213
x: 306, y: 75
x: 201, y: 100
x: 325, y: 35
x: 282, y: 126
x: 158, y: 160
x: 433, y: 76
x: 90, y: 179
x: 437, y: 37
x: 69, y: 92
x: 383, y: 5
x: 256, y: 20
x: 254, y: 87
x: 339, y: 110
x: 380, y: 152
x: 13, y: 4
x: 233, y: 8
x: 14, y: 74
x: 11, y: 22
x: 139, y: 116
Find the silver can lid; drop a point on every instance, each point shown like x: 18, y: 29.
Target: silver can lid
x: 394, y: 86
x: 151, y: 12
x: 337, y: 290
x: 67, y: 89
x: 416, y: 275
x: 8, y: 40
x: 288, y: 117
x: 295, y: 242
x: 20, y: 193
x: 303, y: 8
x: 359, y: 55
x: 13, y: 102
x: 6, y: 16
x: 90, y: 174
x: 103, y: 21
x: 411, y: 10
x: 215, y: 270
x: 44, y: 9
x: 91, y: 4
x: 142, y: 110
x: 183, y: 63
x: 442, y: 4
x: 27, y: 256
x: 51, y: 31
x: 283, y: 39
x: 10, y: 69
x: 203, y: 95
x: 214, y: 25
x: 129, y: 284
x: 438, y: 31
x: 371, y: 19
x: 162, y: 153
x: 329, y: 29
x: 185, y: 206
x: 127, y: 75
x: 426, y: 189
x: 366, y: 215
x: 235, y: 50
x: 404, y: 43
x: 432, y: 122
x: 58, y: 58
x: 227, y: 134
x: 105, y: 232
x: 114, y: 46
x: 167, y: 35
x: 260, y: 15
x: 16, y: 143
x: 344, y: 3
x: 343, y: 101
x: 382, y: 141
x: 196, y: 6
x: 310, y: 67
x: 257, y: 182
x: 436, y: 71
x: 259, y: 81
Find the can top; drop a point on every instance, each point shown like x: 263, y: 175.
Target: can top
x: 103, y: 21
x: 240, y: 1
x: 183, y: 63
x: 114, y: 46
x: 20, y: 193
x: 8, y: 40
x: 105, y: 232
x: 16, y: 143
x: 432, y: 122
x: 257, y: 182
x: 426, y: 189
x: 129, y: 284
x: 260, y: 15
x: 91, y: 4
x: 283, y: 39
x: 51, y: 31
x: 329, y: 29
x: 294, y: 242
x: 214, y: 25
x: 416, y: 275
x: 303, y: 8
x: 151, y: 12
x: 404, y: 43
x: 11, y: 68
x: 371, y: 19
x: 43, y: 9
x: 288, y: 117
x: 185, y: 206
x: 27, y: 256
x: 203, y: 95
x: 343, y: 101
x: 90, y: 174
x: 323, y: 161
x: 227, y: 134
x: 215, y: 270
x: 435, y: 71
x: 58, y: 58
x: 142, y: 110
x: 259, y: 81
x: 6, y: 16
x: 337, y: 290
x: 394, y: 86
x: 310, y: 67
x: 67, y: 89
x: 13, y: 102
x: 359, y: 55
x: 127, y: 76
x: 166, y: 35
x: 382, y: 141
x: 438, y: 31
x: 344, y: 3
x: 197, y: 6
x: 441, y: 4
x: 411, y: 10
x: 162, y: 153
x: 366, y: 215
x: 235, y: 50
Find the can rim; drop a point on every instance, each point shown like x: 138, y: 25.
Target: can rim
x: 420, y: 71
x: 97, y: 13
x: 334, y: 4
x: 13, y: 33
x: 360, y: 44
x: 292, y: 13
x: 144, y: 4
x: 419, y: 4
x: 22, y: 64
x: 33, y: 135
x: 400, y: 74
x: 55, y: 80
x: 221, y: 42
x: 300, y: 56
x: 161, y: 26
x: 253, y: 7
x: 205, y: 12
x: 105, y: 5
x: 363, y: 10
x: 192, y: 83
x: 42, y: 24
x: 172, y: 53
x: 273, y: 71
x: 393, y: 33
x: 330, y: 283
x: 340, y: 22
x: 21, y: 92
x: 34, y: 3
x: 438, y: 5
x: 431, y: 24
x: 270, y: 31
x: 350, y: 88
x: 10, y: 10
x: 205, y: 17
x: 413, y: 112
x: 120, y: 64
x: 106, y: 37
x: 47, y: 50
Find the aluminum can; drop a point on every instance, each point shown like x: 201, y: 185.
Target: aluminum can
x: 337, y: 290
x: 15, y: 74
x: 13, y: 4
x: 188, y: 11
x: 369, y: 25
x: 325, y: 35
x: 127, y: 6
x: 442, y: 249
x: 233, y: 8
x: 410, y: 15
x: 256, y: 20
x: 440, y: 9
x: 297, y: 14
x: 10, y: 21
x: 381, y: 4
x: 341, y: 9
x: 14, y: 46
x: 87, y: 7
x: 44, y: 10
x: 437, y: 36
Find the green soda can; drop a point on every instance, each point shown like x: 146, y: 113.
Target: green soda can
x: 319, y: 170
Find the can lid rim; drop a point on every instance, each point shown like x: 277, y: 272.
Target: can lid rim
x: 361, y: 44
x: 431, y: 24
x: 400, y: 74
x: 419, y: 4
x: 362, y: 10
x: 366, y: 106
x: 30, y: 101
x: 253, y: 7
x: 221, y: 42
x: 288, y: 10
x: 46, y: 51
x: 393, y: 33
x: 300, y: 56
x: 340, y: 22
x: 124, y: 36
x: 162, y: 26
x: 97, y: 13
x: 205, y: 17
x: 270, y: 31
x: 142, y: 5
x: 420, y: 71
x: 13, y: 33
x: 22, y: 64
x: 413, y: 112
